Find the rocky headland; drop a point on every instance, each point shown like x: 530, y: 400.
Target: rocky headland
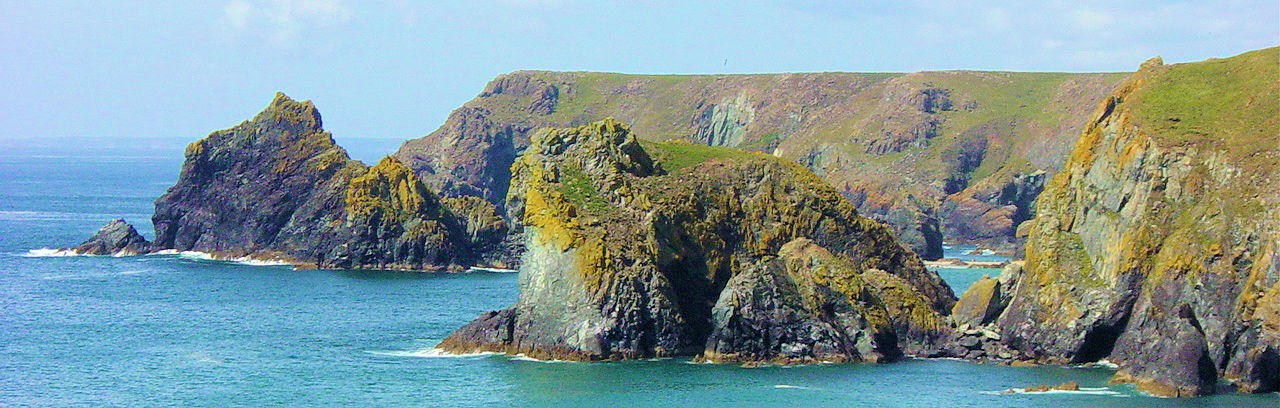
x: 277, y: 188
x: 1155, y: 247
x: 641, y: 249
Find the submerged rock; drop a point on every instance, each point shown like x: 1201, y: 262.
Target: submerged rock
x: 1067, y: 386
x: 638, y: 250
x: 116, y: 238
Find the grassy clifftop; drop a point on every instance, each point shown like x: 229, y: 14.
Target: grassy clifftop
x: 1231, y: 103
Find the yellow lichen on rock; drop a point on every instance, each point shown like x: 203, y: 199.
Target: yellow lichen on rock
x: 391, y: 190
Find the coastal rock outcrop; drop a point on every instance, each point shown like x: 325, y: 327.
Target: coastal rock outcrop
x: 116, y: 238
x: 278, y: 188
x: 641, y: 249
x: 1156, y: 246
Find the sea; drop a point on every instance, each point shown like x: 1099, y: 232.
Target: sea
x: 182, y: 330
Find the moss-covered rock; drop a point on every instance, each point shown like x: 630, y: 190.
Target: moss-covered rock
x: 979, y: 304
x: 631, y: 246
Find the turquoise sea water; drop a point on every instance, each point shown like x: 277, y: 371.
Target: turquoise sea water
x: 174, y: 330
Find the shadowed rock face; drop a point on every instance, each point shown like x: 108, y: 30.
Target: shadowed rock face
x: 115, y: 238
x: 277, y: 187
x: 1156, y: 245
x: 928, y: 153
x: 638, y: 249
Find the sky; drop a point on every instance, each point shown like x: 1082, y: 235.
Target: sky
x: 175, y: 70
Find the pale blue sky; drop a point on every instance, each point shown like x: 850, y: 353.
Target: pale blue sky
x: 394, y: 69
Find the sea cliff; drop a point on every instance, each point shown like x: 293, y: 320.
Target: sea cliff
x: 1156, y: 245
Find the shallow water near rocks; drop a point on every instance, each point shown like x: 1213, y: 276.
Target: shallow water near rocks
x: 174, y: 330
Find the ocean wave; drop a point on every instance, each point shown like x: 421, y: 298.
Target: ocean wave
x: 430, y: 353
x: 1105, y: 391
x: 208, y: 257
x: 187, y: 255
x: 50, y: 253
x: 795, y: 387
x: 523, y: 357
x: 60, y: 253
x: 491, y: 270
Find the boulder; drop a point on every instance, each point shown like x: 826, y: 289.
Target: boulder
x: 116, y: 238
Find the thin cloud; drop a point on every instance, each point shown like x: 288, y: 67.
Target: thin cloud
x: 534, y: 4
x: 282, y: 21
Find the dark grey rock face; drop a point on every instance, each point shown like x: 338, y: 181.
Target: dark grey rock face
x: 1164, y: 349
x: 116, y: 238
x: 763, y: 315
x: 470, y: 155
x: 277, y: 187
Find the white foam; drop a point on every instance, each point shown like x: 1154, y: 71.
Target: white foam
x: 196, y: 255
x: 794, y: 387
x: 1083, y: 390
x: 53, y: 253
x: 493, y: 270
x: 260, y: 262
x: 1107, y: 364
x: 430, y: 353
x: 50, y: 252
x: 523, y: 357
x: 205, y: 256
